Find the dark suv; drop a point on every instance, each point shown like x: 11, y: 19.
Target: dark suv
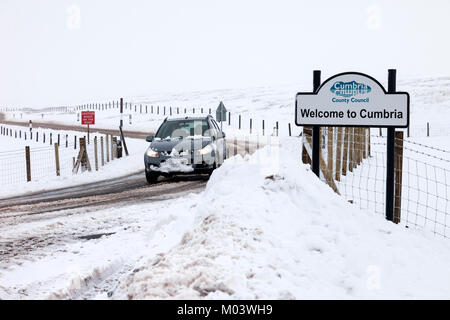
x: 188, y: 145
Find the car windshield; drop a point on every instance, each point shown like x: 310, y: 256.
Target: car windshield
x: 183, y: 128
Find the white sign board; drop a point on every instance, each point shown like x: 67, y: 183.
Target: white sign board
x: 352, y: 99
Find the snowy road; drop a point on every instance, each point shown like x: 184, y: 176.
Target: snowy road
x: 121, y: 191
x: 84, y: 199
x: 38, y: 227
x: 59, y: 126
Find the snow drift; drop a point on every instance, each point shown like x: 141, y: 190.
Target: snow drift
x: 267, y: 228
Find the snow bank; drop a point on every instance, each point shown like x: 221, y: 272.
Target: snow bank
x: 266, y: 228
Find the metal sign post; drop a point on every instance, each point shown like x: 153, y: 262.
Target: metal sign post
x: 221, y: 114
x: 316, y: 131
x: 390, y: 154
x: 354, y: 99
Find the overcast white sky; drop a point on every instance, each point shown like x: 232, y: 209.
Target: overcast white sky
x: 50, y: 55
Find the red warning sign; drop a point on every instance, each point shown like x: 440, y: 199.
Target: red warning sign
x: 88, y: 117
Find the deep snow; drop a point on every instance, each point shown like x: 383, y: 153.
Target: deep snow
x: 267, y: 228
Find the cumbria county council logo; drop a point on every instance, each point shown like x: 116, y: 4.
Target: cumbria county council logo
x: 349, y: 89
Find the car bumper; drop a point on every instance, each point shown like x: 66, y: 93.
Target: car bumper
x: 165, y: 166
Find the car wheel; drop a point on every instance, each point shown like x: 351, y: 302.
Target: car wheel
x: 213, y: 168
x: 151, y: 177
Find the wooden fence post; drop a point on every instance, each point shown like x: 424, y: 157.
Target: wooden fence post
x: 357, y: 149
x: 307, y: 132
x: 357, y: 141
x: 101, y: 148
x: 330, y: 152
x: 107, y: 148
x: 247, y: 145
x: 114, y: 148
x: 83, y: 159
x: 345, y: 154
x: 364, y: 130
x: 57, y: 159
x: 28, y: 163
x: 398, y: 163
x: 351, y: 150
x: 338, y: 154
x: 428, y: 129
x: 95, y: 153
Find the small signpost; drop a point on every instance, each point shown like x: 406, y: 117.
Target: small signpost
x: 122, y: 137
x: 221, y: 114
x: 88, y: 118
x: 354, y: 99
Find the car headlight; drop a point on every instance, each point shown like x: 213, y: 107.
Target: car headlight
x: 206, y: 150
x: 152, y: 153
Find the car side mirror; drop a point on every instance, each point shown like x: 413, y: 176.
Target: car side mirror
x: 223, y: 134
x: 150, y: 138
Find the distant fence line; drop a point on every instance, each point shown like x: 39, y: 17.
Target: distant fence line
x: 234, y: 120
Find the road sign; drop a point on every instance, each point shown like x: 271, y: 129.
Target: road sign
x: 88, y: 117
x: 221, y: 113
x: 352, y: 99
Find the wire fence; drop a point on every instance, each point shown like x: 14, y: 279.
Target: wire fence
x: 50, y: 154
x: 354, y: 165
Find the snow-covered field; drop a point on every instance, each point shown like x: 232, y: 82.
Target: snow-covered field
x: 265, y: 227
x: 430, y: 103
x: 42, y: 157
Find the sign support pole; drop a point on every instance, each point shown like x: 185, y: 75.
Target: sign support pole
x: 121, y: 112
x: 390, y: 153
x: 316, y: 132
x: 89, y: 140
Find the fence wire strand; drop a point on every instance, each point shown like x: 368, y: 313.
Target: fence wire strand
x: 422, y: 174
